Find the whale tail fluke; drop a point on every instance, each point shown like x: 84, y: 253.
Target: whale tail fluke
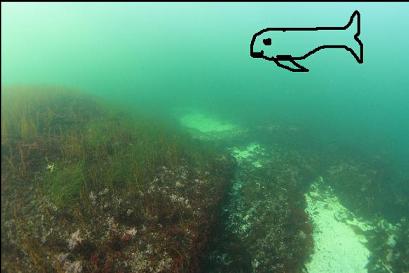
x: 355, y: 44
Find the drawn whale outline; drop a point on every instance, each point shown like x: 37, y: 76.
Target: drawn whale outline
x: 289, y: 62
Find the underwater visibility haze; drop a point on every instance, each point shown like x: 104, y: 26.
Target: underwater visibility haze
x: 152, y: 137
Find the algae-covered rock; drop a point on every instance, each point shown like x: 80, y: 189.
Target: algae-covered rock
x: 265, y: 227
x: 390, y: 246
x: 89, y: 189
x: 370, y: 187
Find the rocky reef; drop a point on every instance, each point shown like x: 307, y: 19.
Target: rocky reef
x: 265, y: 227
x: 89, y: 189
x: 390, y: 247
x: 369, y: 186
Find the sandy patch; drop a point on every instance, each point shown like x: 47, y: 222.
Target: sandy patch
x: 337, y: 248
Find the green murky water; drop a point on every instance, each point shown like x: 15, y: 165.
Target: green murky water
x: 270, y: 170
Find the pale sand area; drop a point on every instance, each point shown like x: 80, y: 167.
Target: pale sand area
x: 337, y: 248
x: 206, y: 126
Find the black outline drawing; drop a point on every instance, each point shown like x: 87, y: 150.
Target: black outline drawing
x: 293, y: 59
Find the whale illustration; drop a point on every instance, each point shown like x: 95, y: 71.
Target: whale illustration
x: 286, y: 46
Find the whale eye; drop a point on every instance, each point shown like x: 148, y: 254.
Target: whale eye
x: 267, y: 41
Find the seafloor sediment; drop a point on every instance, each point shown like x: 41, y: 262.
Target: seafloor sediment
x: 342, y: 224
x: 89, y: 189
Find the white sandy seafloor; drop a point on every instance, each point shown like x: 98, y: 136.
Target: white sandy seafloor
x: 207, y: 126
x: 250, y: 152
x: 337, y: 248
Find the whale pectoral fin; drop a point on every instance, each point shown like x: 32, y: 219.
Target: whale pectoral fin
x: 290, y: 64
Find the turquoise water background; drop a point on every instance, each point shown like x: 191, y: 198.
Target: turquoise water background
x: 197, y: 55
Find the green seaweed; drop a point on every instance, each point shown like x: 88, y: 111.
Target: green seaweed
x: 75, y: 164
x: 64, y: 186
